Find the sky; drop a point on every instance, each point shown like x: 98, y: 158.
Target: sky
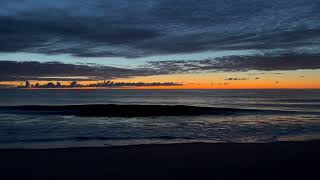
x: 200, y: 43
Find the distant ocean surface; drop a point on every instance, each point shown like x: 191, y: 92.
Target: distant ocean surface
x: 299, y: 118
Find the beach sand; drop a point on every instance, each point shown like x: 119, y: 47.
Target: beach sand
x: 281, y: 160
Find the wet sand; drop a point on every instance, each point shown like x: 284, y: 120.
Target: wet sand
x: 281, y: 160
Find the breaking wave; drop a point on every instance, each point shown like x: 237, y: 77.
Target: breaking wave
x: 112, y: 110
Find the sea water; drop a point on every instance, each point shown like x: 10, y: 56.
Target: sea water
x: 299, y: 120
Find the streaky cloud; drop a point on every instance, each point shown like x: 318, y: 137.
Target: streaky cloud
x: 126, y: 28
x: 27, y: 70
x: 33, y: 70
x: 262, y: 62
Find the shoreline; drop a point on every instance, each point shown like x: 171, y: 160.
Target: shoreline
x: 68, y: 144
x: 286, y: 160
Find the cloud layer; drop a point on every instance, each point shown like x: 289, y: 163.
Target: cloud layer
x: 32, y: 70
x: 126, y: 28
x: 15, y: 70
x: 286, y: 33
x: 262, y: 62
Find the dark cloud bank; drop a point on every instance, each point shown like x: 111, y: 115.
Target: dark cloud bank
x: 286, y: 32
x: 126, y: 28
x: 13, y: 70
x: 242, y: 63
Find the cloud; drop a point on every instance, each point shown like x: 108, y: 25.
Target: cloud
x: 286, y: 33
x: 262, y: 62
x: 32, y: 70
x: 275, y: 73
x: 26, y: 70
x: 236, y: 79
x: 126, y: 28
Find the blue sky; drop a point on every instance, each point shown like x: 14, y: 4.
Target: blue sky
x: 119, y: 61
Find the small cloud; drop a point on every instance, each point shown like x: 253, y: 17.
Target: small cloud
x: 236, y: 79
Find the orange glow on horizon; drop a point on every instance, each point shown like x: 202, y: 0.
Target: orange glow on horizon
x: 300, y: 79
x: 195, y: 86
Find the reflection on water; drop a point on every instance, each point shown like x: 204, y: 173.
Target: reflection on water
x: 23, y: 130
x: 111, y: 131
x: 280, y: 99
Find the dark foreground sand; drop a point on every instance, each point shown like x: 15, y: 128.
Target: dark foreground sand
x: 285, y: 160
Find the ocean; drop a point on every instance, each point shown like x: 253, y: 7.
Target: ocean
x: 279, y: 115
